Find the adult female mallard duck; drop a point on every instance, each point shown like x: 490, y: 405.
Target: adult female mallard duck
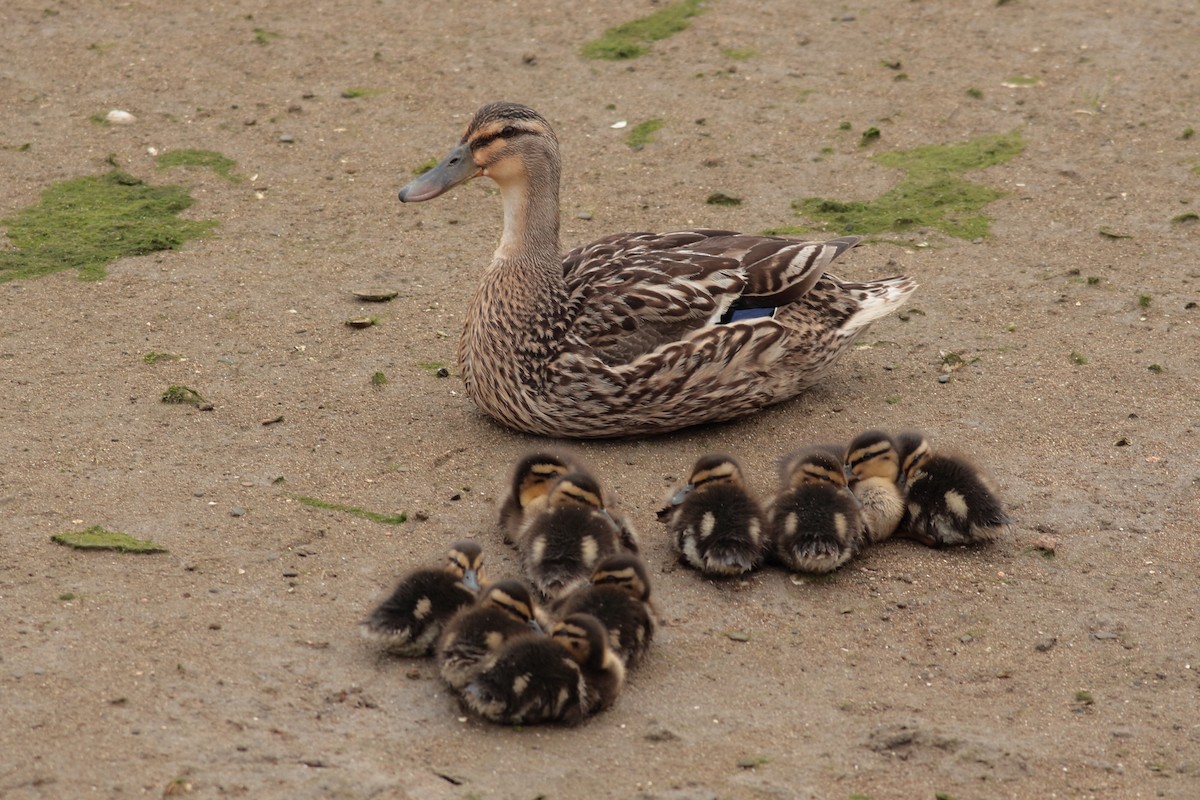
x: 637, y: 332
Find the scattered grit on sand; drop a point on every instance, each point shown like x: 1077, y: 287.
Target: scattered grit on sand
x: 1060, y: 662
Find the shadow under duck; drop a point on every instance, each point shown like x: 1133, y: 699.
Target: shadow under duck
x: 637, y: 332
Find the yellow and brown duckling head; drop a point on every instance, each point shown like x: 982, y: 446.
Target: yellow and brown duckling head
x: 873, y: 470
x: 576, y: 489
x: 503, y: 141
x: 465, y: 560
x: 913, y: 450
x: 872, y: 454
x: 625, y: 572
x: 513, y: 599
x: 530, y: 483
x: 818, y: 466
x: 586, y: 640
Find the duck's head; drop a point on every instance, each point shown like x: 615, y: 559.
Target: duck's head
x: 716, y: 469
x: 576, y: 489
x: 513, y: 599
x: 913, y: 450
x: 816, y: 467
x: 585, y: 639
x: 626, y: 572
x: 535, y: 473
x: 872, y: 454
x: 507, y: 142
x: 465, y: 560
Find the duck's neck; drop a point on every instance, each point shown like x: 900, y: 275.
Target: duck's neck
x: 531, y: 217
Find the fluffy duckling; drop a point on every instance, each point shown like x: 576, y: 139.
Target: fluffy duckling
x: 814, y: 522
x: 530, y: 484
x: 563, y: 541
x: 619, y: 597
x: 950, y: 501
x: 873, y: 469
x: 715, y: 523
x: 474, y: 635
x: 561, y: 678
x: 410, y: 620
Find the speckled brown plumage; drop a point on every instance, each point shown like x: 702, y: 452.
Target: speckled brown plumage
x: 635, y: 333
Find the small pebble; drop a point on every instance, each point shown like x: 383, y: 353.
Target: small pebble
x: 1044, y: 645
x: 291, y: 573
x: 966, y: 638
x: 584, y: 215
x: 943, y: 378
x: 119, y: 117
x: 237, y: 511
x: 287, y: 138
x: 442, y: 372
x: 1104, y: 635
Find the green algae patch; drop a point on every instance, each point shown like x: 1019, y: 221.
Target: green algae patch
x: 200, y: 159
x: 634, y: 38
x: 98, y: 538
x: 933, y: 193
x: 373, y: 516
x: 181, y: 395
x: 87, y: 223
x: 643, y: 133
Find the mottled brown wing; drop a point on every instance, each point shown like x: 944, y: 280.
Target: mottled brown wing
x: 633, y: 293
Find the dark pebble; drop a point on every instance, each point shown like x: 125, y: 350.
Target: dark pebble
x: 237, y: 511
x: 442, y: 372
x: 291, y: 573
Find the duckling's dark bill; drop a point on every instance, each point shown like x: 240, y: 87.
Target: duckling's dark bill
x: 454, y: 169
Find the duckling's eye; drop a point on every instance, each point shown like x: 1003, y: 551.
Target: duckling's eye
x: 508, y: 132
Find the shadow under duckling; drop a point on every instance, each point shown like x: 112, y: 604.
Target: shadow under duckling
x: 410, y: 620
x: 619, y: 597
x: 530, y: 485
x: 564, y: 540
x: 814, y: 523
x: 475, y: 635
x: 560, y: 678
x: 873, y: 471
x: 716, y: 525
x: 949, y: 500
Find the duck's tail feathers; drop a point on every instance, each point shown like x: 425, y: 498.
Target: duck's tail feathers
x: 877, y: 299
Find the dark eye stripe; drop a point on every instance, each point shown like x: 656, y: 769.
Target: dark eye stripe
x: 506, y: 133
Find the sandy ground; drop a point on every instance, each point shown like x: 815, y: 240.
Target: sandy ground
x: 231, y: 666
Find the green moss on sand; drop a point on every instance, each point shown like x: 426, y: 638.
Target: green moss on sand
x: 97, y: 538
x: 633, y: 39
x: 189, y: 158
x: 86, y: 223
x: 374, y: 516
x: 933, y: 193
x: 643, y: 133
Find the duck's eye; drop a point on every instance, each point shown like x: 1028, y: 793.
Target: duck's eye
x: 508, y: 132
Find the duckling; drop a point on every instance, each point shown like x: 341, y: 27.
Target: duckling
x: 410, y: 620
x: 531, y: 481
x: 716, y: 525
x: 950, y: 501
x: 474, y: 635
x: 563, y: 542
x: 619, y: 596
x: 560, y: 678
x: 872, y: 469
x: 814, y: 522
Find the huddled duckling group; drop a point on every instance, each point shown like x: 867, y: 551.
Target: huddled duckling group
x: 560, y: 656
x: 832, y: 502
x: 510, y: 659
